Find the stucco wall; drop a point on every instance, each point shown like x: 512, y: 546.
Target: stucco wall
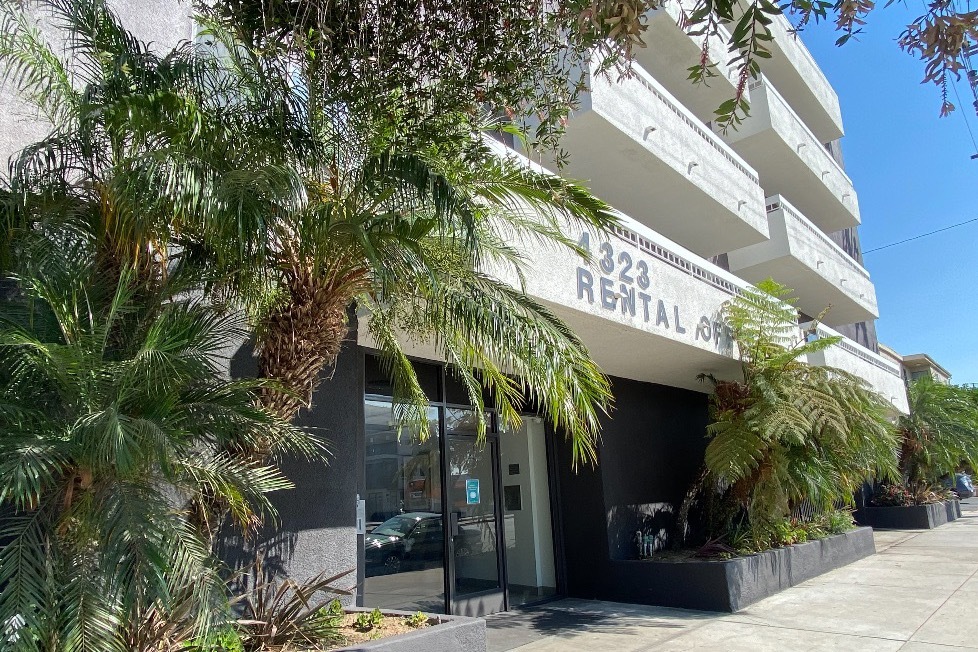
x: 317, y: 519
x: 807, y: 75
x: 881, y: 373
x: 679, y: 138
x: 163, y: 23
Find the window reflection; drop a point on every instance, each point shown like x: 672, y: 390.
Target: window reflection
x: 404, y: 546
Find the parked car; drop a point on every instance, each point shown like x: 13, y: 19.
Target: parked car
x: 412, y: 541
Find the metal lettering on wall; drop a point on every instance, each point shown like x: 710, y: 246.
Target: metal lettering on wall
x: 624, y: 284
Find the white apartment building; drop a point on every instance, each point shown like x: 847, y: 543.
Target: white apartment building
x: 458, y: 526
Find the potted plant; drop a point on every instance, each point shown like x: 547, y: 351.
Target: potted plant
x: 938, y: 438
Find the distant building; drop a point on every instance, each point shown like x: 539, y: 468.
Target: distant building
x: 916, y: 365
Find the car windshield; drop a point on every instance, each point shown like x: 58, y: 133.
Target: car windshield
x: 398, y: 526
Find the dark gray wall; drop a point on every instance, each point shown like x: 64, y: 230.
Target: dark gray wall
x: 652, y: 447
x: 317, y: 519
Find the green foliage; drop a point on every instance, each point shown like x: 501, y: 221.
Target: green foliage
x: 406, y: 231
x: 535, y: 69
x: 283, y: 611
x: 211, y: 154
x: 420, y: 619
x: 747, y: 539
x: 528, y: 63
x: 368, y: 620
x: 116, y: 416
x: 838, y: 521
x: 939, y: 436
x: 789, y: 432
x: 223, y: 639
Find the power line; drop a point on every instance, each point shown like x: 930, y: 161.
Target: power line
x: 922, y: 235
x: 964, y: 114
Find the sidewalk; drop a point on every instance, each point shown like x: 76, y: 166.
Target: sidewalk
x: 918, y: 593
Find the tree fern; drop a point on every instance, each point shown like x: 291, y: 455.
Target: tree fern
x: 789, y: 432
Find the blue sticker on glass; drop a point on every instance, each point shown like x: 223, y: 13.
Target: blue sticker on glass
x: 472, y: 492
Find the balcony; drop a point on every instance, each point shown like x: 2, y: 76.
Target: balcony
x: 882, y: 375
x: 792, y: 162
x: 793, y: 70
x: 638, y: 148
x: 672, y: 52
x: 802, y: 257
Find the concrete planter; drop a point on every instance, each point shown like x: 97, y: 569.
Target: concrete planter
x: 910, y: 517
x: 450, y: 634
x: 732, y: 584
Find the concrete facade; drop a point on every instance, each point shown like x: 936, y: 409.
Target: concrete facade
x: 792, y: 161
x: 644, y: 152
x: 916, y: 365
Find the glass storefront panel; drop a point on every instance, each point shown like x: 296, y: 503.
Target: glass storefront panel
x: 404, y: 545
x: 472, y: 499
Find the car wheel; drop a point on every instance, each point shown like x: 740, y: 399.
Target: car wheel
x: 392, y: 564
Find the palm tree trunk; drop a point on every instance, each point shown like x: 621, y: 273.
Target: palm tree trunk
x: 298, y: 340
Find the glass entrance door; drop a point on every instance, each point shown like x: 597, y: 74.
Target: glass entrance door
x: 475, y: 578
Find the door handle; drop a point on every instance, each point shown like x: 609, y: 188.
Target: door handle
x: 453, y: 527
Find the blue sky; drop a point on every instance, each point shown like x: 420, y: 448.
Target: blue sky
x: 913, y: 173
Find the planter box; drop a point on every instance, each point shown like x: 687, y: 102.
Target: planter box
x: 732, y: 584
x: 451, y: 634
x: 910, y: 517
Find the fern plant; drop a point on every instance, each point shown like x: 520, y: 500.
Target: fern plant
x: 787, y: 432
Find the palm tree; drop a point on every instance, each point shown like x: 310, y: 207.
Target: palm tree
x: 116, y: 418
x: 940, y: 434
x: 407, y: 232
x: 302, y: 212
x: 788, y: 432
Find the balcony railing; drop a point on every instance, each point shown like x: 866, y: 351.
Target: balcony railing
x: 641, y: 150
x: 676, y: 50
x: 698, y: 127
x: 803, y: 222
x: 791, y: 161
x: 826, y: 158
x: 802, y: 257
x: 881, y: 374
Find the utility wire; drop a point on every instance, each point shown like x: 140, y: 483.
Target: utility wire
x: 964, y: 114
x: 922, y: 235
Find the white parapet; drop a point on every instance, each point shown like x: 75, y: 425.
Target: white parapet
x: 672, y: 50
x: 882, y: 374
x: 792, y: 69
x: 802, y: 257
x: 636, y: 146
x: 792, y: 161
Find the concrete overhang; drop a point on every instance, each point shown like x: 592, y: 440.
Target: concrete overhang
x: 672, y: 51
x: 803, y: 258
x: 792, y: 162
x: 635, y: 145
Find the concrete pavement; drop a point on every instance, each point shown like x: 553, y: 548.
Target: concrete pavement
x: 918, y: 593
